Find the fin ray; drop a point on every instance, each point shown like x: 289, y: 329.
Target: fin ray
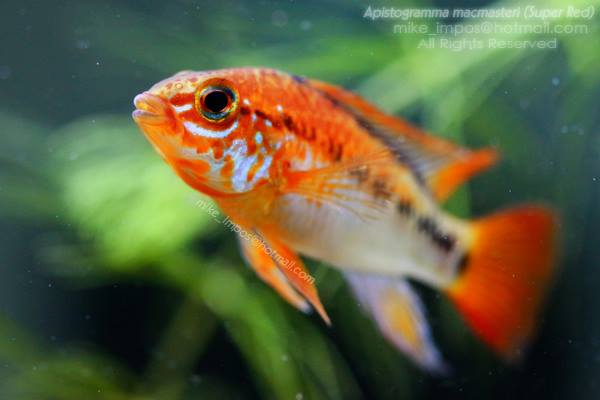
x: 400, y: 316
x: 439, y: 164
x: 507, y: 272
x: 292, y: 267
x: 267, y: 270
x: 335, y: 185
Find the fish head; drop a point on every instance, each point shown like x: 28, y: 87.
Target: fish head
x: 199, y: 123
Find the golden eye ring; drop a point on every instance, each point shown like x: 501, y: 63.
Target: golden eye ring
x: 215, y: 103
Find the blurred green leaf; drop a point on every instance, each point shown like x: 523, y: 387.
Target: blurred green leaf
x: 122, y: 196
x: 25, y: 188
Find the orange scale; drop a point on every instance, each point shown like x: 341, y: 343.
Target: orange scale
x: 217, y: 150
x: 252, y: 171
x: 251, y: 145
x: 181, y: 99
x: 202, y: 147
x: 261, y: 181
x: 199, y: 167
x: 244, y: 124
x: 188, y: 140
x: 227, y: 169
x: 193, y: 116
x: 266, y: 144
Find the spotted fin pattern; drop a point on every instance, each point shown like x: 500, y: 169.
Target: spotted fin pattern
x: 440, y: 165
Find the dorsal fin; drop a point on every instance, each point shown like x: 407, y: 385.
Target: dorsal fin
x: 439, y: 164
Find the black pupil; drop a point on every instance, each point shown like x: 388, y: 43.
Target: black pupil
x: 216, y: 101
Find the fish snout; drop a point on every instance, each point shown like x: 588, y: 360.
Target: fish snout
x: 150, y: 109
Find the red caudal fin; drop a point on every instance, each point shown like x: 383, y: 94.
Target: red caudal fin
x: 506, y: 273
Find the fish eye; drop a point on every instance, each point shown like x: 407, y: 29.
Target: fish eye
x: 215, y: 102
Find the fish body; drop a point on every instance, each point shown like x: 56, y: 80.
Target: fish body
x: 313, y: 169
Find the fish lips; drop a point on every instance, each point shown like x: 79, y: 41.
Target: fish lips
x: 151, y: 110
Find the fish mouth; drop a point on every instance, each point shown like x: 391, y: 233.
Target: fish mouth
x: 150, y: 109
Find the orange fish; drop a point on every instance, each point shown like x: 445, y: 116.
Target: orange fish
x: 304, y: 167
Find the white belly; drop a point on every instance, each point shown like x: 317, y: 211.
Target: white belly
x: 387, y: 244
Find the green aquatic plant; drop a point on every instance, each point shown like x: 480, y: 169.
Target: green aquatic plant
x: 105, y: 210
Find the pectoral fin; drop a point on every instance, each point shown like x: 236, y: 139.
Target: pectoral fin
x: 292, y: 267
x: 400, y: 316
x: 337, y: 185
x: 267, y: 270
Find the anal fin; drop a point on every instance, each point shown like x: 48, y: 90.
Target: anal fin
x: 399, y: 315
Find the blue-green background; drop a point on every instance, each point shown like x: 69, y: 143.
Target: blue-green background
x: 114, y: 285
